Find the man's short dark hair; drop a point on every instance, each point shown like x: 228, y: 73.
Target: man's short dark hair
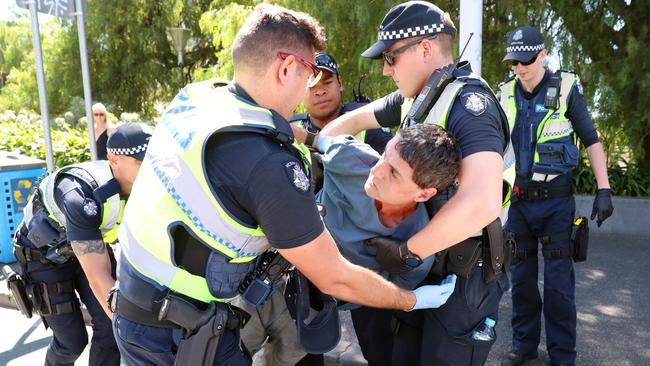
x: 270, y: 29
x: 432, y: 153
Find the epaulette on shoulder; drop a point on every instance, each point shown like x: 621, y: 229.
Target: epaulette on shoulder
x: 506, y: 81
x: 569, y: 71
x: 298, y: 118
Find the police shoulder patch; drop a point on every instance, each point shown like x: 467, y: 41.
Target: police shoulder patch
x: 297, y: 176
x: 90, y: 207
x: 474, y: 103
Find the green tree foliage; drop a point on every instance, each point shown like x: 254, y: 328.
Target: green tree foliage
x: 610, y: 49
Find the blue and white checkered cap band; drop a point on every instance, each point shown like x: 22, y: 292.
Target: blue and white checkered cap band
x: 411, y: 32
x: 127, y: 150
x: 523, y: 48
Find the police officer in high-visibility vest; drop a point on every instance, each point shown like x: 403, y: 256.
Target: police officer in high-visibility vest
x: 62, y: 248
x: 549, y: 114
x: 416, y: 45
x: 221, y: 183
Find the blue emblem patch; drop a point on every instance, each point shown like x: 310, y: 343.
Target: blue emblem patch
x: 90, y: 207
x: 297, y: 176
x: 539, y: 108
x: 474, y: 103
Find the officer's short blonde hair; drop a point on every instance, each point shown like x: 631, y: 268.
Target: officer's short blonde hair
x: 270, y: 29
x: 446, y: 40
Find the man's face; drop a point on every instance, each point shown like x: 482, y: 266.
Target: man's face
x: 527, y: 73
x: 391, y: 179
x: 324, y: 99
x: 409, y: 70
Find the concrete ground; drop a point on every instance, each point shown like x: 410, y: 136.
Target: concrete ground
x: 612, y: 294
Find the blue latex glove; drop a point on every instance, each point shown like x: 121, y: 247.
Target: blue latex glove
x: 427, y: 297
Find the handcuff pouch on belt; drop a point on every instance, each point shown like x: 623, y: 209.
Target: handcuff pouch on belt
x: 489, y: 251
x: 39, y: 295
x: 556, y: 158
x: 580, y: 239
x: 258, y: 287
x: 202, y: 328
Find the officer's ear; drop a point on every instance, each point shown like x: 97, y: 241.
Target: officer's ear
x: 112, y: 160
x: 284, y: 70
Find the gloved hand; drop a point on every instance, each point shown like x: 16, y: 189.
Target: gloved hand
x: 602, y: 205
x: 388, y: 254
x: 427, y: 297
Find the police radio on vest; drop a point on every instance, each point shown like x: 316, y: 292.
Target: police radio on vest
x: 434, y: 87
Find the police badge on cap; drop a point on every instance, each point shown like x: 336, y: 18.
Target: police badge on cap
x: 409, y: 19
x: 523, y: 44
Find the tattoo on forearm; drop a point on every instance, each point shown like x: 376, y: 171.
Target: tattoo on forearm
x: 88, y: 246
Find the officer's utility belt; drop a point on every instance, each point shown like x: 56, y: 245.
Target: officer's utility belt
x: 489, y: 251
x: 579, y: 240
x: 53, y: 255
x: 202, y: 323
x: 35, y: 297
x: 536, y: 192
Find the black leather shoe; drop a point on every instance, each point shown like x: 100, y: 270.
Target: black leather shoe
x: 516, y: 359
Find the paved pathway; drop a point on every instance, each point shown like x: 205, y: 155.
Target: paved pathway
x: 613, y: 293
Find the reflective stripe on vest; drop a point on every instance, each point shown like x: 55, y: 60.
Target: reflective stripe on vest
x: 112, y: 208
x: 554, y: 126
x: 172, y: 189
x: 438, y: 115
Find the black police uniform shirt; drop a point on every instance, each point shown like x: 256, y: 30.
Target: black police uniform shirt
x: 254, y: 178
x: 82, y: 210
x: 377, y: 138
x: 475, y: 130
x: 530, y: 113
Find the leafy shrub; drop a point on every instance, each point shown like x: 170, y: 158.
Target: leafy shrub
x: 23, y: 133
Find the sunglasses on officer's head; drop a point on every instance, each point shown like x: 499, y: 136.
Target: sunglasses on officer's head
x: 316, y: 72
x: 529, y: 62
x: 389, y: 56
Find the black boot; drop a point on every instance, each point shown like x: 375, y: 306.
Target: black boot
x: 515, y: 358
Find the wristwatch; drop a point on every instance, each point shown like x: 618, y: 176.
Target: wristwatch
x: 409, y: 258
x: 309, y: 140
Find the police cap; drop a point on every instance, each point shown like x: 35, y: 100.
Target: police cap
x: 316, y: 315
x: 325, y: 61
x: 409, y: 19
x: 523, y: 44
x: 129, y: 139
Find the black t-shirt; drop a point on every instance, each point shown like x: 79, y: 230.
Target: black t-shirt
x: 101, y: 142
x: 260, y: 182
x: 83, y: 213
x: 476, y: 126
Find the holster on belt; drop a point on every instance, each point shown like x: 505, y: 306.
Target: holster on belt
x: 17, y: 287
x: 490, y: 250
x: 203, y: 328
x: 580, y: 239
x: 493, y: 252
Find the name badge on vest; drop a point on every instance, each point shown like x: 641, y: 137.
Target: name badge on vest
x: 539, y: 108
